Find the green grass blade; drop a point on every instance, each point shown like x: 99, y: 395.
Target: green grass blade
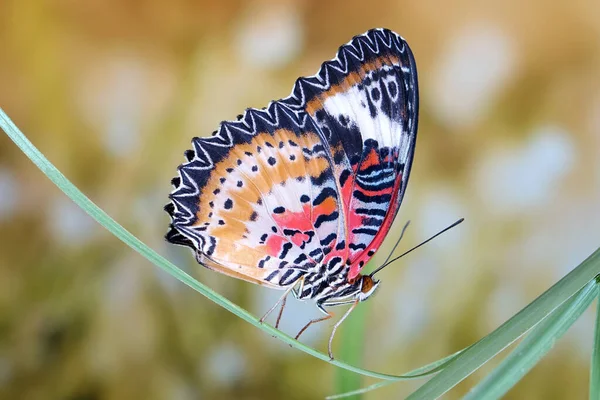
x: 420, y: 372
x: 595, y: 365
x: 358, y: 392
x: 125, y: 236
x: 485, y: 349
x: 562, y: 317
x: 535, y: 346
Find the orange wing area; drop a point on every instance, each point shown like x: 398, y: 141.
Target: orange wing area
x: 252, y: 203
x: 265, y: 204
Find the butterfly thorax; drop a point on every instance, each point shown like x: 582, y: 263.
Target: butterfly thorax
x: 335, y: 289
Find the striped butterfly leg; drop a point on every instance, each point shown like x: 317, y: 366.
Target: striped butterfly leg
x: 329, y: 316
x: 280, y: 312
x: 316, y: 320
x: 283, y: 300
x: 354, y: 304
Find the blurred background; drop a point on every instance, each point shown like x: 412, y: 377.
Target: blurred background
x: 113, y: 91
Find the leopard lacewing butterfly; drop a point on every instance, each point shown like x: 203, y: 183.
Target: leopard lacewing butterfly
x: 298, y: 196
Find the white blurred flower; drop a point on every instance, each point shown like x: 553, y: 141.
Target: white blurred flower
x: 472, y: 70
x: 439, y: 208
x: 68, y: 223
x: 514, y: 180
x: 270, y: 35
x: 505, y: 300
x: 121, y: 94
x: 226, y: 364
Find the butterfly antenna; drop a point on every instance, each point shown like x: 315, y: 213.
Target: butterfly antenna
x: 397, y: 242
x: 385, y: 264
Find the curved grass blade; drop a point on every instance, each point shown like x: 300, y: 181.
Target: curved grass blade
x: 420, y: 372
x: 485, y: 349
x: 595, y: 364
x: 535, y: 346
x: 359, y: 392
x: 128, y: 238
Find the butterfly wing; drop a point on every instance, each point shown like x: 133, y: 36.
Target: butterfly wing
x: 258, y: 198
x: 313, y: 177
x: 365, y: 103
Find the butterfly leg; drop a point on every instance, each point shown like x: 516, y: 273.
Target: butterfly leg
x: 354, y: 304
x: 281, y: 300
x: 300, y: 289
x: 280, y: 312
x: 314, y: 321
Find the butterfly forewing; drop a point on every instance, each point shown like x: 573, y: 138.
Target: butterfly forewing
x: 312, y: 182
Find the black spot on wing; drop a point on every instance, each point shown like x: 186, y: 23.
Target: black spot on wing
x: 366, y: 231
x: 286, y: 248
x: 357, y: 246
x: 326, y: 218
x: 320, y: 180
x: 344, y: 176
x: 371, y: 211
x: 271, y: 276
x: 372, y: 221
x: 379, y: 199
x: 328, y: 239
x: 325, y: 193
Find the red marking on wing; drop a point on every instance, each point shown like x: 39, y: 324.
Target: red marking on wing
x: 275, y: 244
x: 371, y: 159
x: 298, y: 221
x: 356, y: 266
x: 294, y: 220
x: 299, y: 238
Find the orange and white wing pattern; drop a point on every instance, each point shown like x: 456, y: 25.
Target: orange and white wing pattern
x: 307, y: 187
x: 254, y: 198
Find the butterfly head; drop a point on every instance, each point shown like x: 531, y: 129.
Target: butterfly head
x: 368, y: 287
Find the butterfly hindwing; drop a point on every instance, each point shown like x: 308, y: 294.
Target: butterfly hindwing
x: 310, y: 182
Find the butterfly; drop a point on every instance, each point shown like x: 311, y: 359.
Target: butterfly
x: 298, y: 196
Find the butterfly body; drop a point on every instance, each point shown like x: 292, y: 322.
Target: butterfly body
x: 299, y: 196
